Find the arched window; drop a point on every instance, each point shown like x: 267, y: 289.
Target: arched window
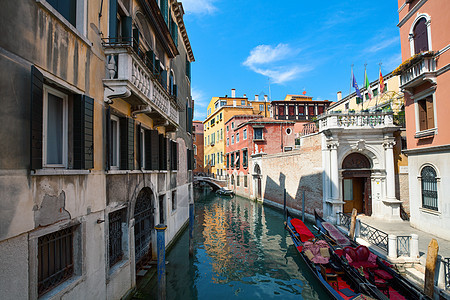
x: 429, y: 188
x: 232, y: 179
x: 420, y: 36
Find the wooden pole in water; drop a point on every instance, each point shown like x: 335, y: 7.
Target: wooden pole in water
x: 161, y: 262
x: 284, y: 206
x: 191, y: 229
x: 303, y: 207
x: 353, y: 224
x: 430, y: 267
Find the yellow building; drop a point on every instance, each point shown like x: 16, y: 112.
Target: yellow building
x: 219, y: 111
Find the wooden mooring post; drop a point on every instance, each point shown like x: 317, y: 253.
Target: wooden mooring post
x: 161, y: 263
x: 430, y: 267
x: 353, y: 224
x: 191, y: 229
x: 303, y: 206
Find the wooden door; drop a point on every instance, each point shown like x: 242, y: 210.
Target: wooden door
x: 259, y: 188
x: 353, y: 194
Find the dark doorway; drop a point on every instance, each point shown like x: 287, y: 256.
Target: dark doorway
x: 258, y: 181
x: 143, y: 228
x: 356, y: 184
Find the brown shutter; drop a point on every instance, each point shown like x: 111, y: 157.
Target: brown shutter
x: 108, y: 145
x: 430, y: 112
x: 420, y: 36
x: 422, y: 115
x: 36, y: 119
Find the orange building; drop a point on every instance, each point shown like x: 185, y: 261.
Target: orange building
x: 425, y: 80
x: 198, y: 146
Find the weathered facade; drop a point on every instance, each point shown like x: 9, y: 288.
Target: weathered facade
x: 96, y: 143
x: 198, y: 147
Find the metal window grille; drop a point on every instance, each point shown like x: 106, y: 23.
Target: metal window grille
x: 115, y: 237
x: 429, y: 188
x: 55, y: 259
x: 403, y: 243
x: 374, y: 236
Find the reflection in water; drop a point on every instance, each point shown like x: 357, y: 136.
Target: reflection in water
x: 241, y: 251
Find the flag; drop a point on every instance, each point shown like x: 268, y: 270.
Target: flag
x: 367, y: 85
x: 382, y: 86
x: 355, y: 85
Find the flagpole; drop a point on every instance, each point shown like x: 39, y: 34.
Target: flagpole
x: 379, y: 87
x: 365, y: 79
x: 351, y: 82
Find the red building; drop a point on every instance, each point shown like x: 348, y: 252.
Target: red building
x: 247, y: 135
x: 198, y: 146
x: 299, y: 108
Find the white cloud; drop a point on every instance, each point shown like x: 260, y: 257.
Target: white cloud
x: 380, y: 45
x: 199, y: 6
x: 200, y: 103
x: 262, y: 58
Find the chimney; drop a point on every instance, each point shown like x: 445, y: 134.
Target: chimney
x: 339, y: 96
x: 265, y: 98
x: 245, y: 96
x: 233, y: 93
x: 256, y: 97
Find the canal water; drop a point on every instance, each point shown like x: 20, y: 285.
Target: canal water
x: 241, y: 251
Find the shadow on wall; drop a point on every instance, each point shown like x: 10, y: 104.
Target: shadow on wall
x: 311, y: 184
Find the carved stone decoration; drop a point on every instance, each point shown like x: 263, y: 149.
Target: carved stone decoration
x: 356, y: 161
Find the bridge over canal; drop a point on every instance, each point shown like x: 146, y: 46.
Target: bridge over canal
x: 214, y: 183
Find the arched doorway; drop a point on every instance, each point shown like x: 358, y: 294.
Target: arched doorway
x: 143, y: 226
x: 257, y: 175
x: 356, y: 185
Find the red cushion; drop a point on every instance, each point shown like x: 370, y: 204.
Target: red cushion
x: 364, y: 264
x: 362, y: 252
x: 339, y: 252
x: 383, y: 274
x: 303, y: 231
x: 352, y: 253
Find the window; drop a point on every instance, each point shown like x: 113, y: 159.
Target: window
x: 245, y: 180
x: 55, y: 259
x: 228, y: 160
x: 116, y: 236
x: 228, y: 141
x: 291, y: 110
x: 223, y: 102
x: 232, y: 179
x: 258, y: 133
x: 237, y: 137
x: 232, y: 140
x: 232, y: 160
x: 245, y: 133
x: 195, y: 149
x: 301, y: 110
x: 232, y: 125
x: 161, y: 210
x: 320, y: 109
x: 228, y: 129
x: 209, y: 139
x: 347, y: 105
x: 311, y: 110
x: 220, y: 116
x: 174, y: 200
x: 281, y: 110
x: 244, y: 158
x: 173, y: 155
x: 221, y: 134
x: 55, y: 128
x: 261, y: 107
x: 426, y: 113
x: 242, y: 102
x: 420, y: 36
x: 205, y: 141
x: 238, y: 180
x: 142, y: 150
x: 375, y: 92
x: 288, y: 131
x: 67, y: 8
x: 429, y: 188
x: 238, y: 163
x: 216, y: 105
x: 115, y: 145
x: 213, y: 159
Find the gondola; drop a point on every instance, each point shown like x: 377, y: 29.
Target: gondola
x: 375, y: 270
x: 339, y: 280
x: 225, y: 192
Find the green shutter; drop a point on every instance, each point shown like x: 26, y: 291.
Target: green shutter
x: 36, y: 118
x: 164, y: 79
x: 138, y: 146
x: 108, y: 145
x: 157, y: 66
x: 127, y: 29
x: 83, y: 132
x: 150, y: 61
x: 126, y: 144
x: 165, y: 11
x: 162, y: 153
x: 113, y: 19
x: 153, y: 149
x: 174, y: 32
x: 136, y: 40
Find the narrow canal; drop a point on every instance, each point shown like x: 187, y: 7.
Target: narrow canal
x: 241, y: 251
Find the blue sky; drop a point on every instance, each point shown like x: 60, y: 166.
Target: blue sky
x: 299, y: 45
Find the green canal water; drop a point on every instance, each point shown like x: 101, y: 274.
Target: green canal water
x: 241, y: 251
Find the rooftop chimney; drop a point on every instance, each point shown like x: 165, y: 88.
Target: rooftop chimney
x: 245, y: 96
x: 265, y: 98
x: 256, y: 97
x: 233, y: 93
x: 339, y: 96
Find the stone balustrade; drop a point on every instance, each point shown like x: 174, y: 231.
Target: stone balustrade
x: 424, y: 67
x: 127, y: 70
x: 356, y: 120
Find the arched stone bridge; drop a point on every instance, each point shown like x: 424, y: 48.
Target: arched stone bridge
x: 215, y: 184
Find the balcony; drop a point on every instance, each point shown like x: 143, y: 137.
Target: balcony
x: 133, y: 77
x: 361, y: 120
x: 416, y: 70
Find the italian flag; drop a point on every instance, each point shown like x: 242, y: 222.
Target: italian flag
x: 367, y: 86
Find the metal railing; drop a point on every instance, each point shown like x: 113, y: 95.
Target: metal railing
x: 344, y: 220
x: 374, y: 236
x: 446, y: 262
x: 403, y: 245
x: 310, y: 128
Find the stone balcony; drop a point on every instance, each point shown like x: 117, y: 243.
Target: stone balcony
x: 129, y: 77
x: 420, y: 68
x: 359, y: 120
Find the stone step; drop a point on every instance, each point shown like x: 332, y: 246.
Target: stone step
x: 141, y: 273
x: 415, y: 276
